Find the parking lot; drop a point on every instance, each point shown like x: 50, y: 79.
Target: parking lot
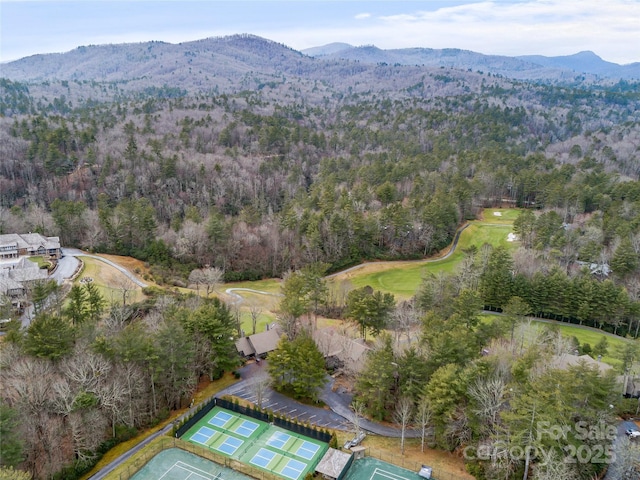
x: 282, y: 405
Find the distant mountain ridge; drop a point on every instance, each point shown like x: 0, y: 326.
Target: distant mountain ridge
x: 521, y: 67
x: 244, y: 61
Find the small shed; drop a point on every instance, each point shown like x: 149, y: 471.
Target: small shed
x: 358, y: 451
x: 334, y: 464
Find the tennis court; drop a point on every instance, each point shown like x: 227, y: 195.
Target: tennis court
x: 278, y: 463
x: 296, y: 446
x: 220, y: 419
x: 176, y: 464
x: 253, y: 442
x: 369, y: 468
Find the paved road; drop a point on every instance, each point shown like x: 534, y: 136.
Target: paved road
x: 619, y: 443
x: 239, y: 299
x: 337, y: 414
x: 65, y: 269
x: 73, y: 252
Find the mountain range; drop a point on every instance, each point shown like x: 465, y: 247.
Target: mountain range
x: 232, y: 60
x: 531, y: 67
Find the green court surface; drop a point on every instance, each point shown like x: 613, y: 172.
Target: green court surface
x: 176, y: 464
x: 369, y: 468
x: 256, y: 443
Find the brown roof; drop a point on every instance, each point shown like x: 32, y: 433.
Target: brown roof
x: 244, y: 347
x: 567, y: 360
x: 333, y: 344
x: 259, y: 343
x: 265, y: 342
x: 333, y: 463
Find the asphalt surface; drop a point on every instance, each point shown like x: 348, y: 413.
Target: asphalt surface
x: 72, y: 252
x: 619, y: 443
x: 336, y: 415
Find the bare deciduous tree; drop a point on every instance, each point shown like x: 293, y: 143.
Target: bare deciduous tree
x: 423, y: 420
x: 556, y: 468
x: 358, y: 408
x: 260, y: 387
x: 255, y: 311
x: 402, y: 416
x: 488, y: 395
x: 210, y: 277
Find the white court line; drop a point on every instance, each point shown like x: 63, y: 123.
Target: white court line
x: 189, y: 468
x: 291, y: 467
x: 384, y: 473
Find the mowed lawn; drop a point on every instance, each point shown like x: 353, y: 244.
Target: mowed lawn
x: 110, y: 281
x: 403, y: 278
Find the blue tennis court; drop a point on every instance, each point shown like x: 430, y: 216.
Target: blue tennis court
x: 203, y: 435
x: 278, y: 440
x: 230, y: 445
x: 293, y: 469
x: 220, y: 419
x: 246, y: 428
x: 263, y: 457
x: 307, y: 450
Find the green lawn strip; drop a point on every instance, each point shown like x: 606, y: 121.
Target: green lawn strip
x: 404, y: 281
x: 592, y: 337
x: 507, y: 215
x: 263, y: 319
x: 40, y: 261
x: 91, y: 269
x: 271, y: 285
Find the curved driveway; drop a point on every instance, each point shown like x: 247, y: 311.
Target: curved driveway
x: 72, y: 252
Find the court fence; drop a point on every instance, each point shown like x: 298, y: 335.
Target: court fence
x: 200, y: 413
x: 400, y: 461
x: 128, y: 470
x: 266, y: 416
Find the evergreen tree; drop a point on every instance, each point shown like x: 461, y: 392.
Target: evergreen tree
x: 625, y: 259
x: 11, y: 451
x: 370, y: 309
x: 377, y: 380
x: 50, y: 337
x: 76, y: 309
x: 297, y: 366
x: 496, y: 280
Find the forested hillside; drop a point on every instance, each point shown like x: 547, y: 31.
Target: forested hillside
x: 244, y: 155
x: 273, y: 160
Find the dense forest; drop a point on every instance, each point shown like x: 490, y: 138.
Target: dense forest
x: 264, y: 171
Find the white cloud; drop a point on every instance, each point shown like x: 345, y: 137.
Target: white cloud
x: 362, y: 16
x: 548, y: 27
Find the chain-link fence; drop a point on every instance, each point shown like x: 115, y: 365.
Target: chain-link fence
x: 131, y: 467
x: 398, y: 460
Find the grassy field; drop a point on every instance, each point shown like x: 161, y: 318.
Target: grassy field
x: 403, y: 278
x: 592, y: 337
x: 109, y: 280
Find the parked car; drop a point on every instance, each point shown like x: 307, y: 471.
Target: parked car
x: 631, y: 433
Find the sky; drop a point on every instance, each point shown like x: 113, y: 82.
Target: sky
x: 610, y: 28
